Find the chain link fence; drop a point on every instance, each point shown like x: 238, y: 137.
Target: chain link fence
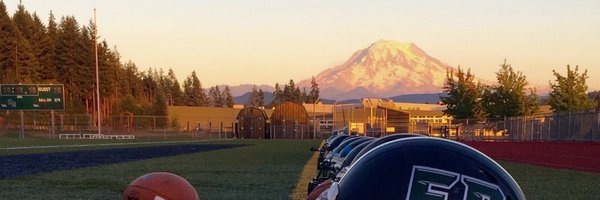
x: 579, y: 126
x: 293, y: 131
x: 52, y: 124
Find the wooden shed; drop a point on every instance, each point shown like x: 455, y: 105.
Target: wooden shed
x: 290, y: 120
x: 252, y: 122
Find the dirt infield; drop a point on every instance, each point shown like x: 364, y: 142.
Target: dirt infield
x: 23, y: 165
x: 584, y: 156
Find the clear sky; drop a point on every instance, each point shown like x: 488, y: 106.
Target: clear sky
x: 263, y: 42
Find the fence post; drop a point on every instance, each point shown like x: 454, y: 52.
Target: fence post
x: 210, y: 130
x: 220, y: 130
x: 52, y: 125
x: 569, y: 126
x: 166, y: 124
x: 22, y: 134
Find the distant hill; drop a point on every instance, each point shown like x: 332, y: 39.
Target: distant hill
x: 239, y: 90
x: 244, y: 99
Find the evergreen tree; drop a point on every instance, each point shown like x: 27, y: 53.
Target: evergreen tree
x: 17, y: 61
x: 288, y: 92
x: 8, y: 44
x: 508, y: 98
x: 219, y: 99
x: 569, y: 92
x: 304, y: 96
x: 260, y: 98
x: 277, y: 95
x: 24, y: 23
x: 253, y: 100
x: 174, y: 94
x: 72, y: 66
x: 131, y: 81
x: 313, y: 95
x: 213, y: 96
x: 228, y: 98
x: 160, y: 102
x: 463, y: 94
x: 194, y: 93
x: 43, y: 49
x: 187, y: 92
x: 297, y: 95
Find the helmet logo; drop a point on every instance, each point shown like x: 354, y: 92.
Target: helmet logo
x: 433, y: 183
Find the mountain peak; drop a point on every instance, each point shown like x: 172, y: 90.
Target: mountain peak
x: 393, y: 48
x: 391, y: 44
x: 385, y: 68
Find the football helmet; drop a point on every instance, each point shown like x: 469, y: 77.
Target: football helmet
x: 426, y: 168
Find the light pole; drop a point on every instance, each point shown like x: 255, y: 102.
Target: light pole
x: 97, y: 79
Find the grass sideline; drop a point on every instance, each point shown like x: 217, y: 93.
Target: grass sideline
x: 551, y: 183
x: 265, y: 169
x: 310, y: 170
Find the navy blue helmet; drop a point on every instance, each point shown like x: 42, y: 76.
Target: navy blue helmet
x: 426, y: 168
x: 384, y: 140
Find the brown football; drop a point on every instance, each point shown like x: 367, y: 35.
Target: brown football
x: 160, y: 186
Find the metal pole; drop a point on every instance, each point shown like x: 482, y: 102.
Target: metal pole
x: 97, y: 77
x: 569, y: 123
x: 52, y: 125
x: 22, y: 135
x: 315, y: 118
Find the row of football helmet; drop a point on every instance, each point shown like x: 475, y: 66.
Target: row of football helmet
x: 407, y: 166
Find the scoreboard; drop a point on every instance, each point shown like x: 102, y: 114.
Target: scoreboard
x: 32, y: 97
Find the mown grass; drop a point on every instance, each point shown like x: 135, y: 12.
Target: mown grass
x: 550, y: 183
x: 262, y: 170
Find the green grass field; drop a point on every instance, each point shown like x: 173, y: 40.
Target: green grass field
x: 264, y: 169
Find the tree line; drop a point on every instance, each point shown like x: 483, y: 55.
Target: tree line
x: 467, y: 98
x: 62, y: 51
x: 290, y: 92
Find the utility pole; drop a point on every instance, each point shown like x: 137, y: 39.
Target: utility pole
x: 97, y: 79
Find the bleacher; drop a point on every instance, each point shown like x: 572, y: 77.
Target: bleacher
x: 95, y: 136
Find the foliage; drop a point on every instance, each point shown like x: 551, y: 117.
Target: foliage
x: 313, y: 95
x: 64, y: 52
x: 463, y: 95
x: 257, y: 97
x: 216, y: 97
x: 193, y: 92
x: 277, y: 96
x: 569, y: 91
x: 160, y: 104
x: 508, y: 98
x: 290, y: 92
x: 227, y: 96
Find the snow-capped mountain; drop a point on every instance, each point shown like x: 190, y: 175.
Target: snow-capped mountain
x: 384, y: 69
